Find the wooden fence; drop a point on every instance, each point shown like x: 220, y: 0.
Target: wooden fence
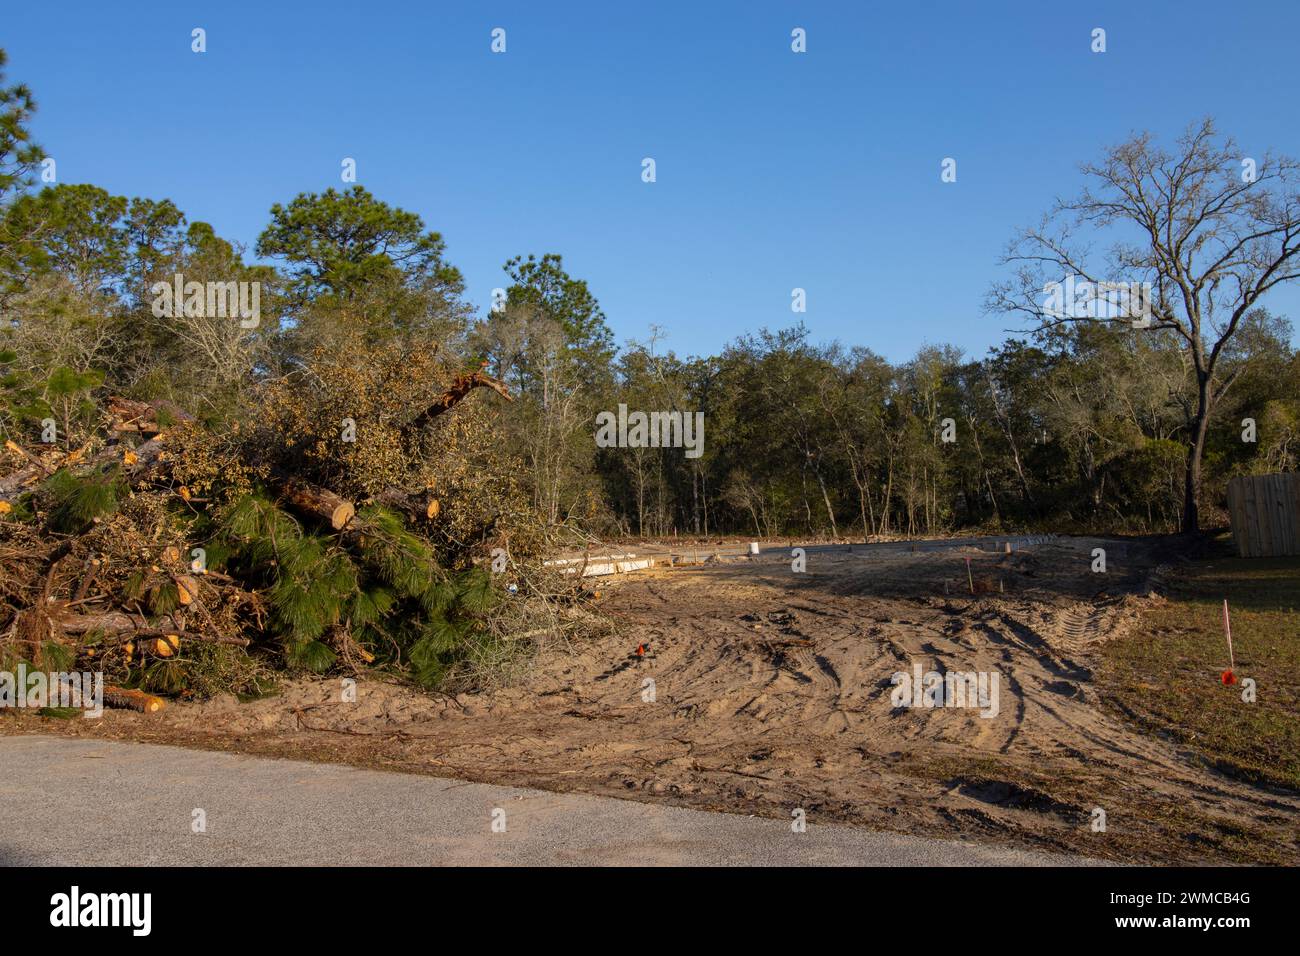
x: 1265, y: 514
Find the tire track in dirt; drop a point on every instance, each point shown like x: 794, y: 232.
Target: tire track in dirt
x: 773, y: 690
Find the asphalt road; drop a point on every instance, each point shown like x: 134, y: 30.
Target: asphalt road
x: 88, y: 802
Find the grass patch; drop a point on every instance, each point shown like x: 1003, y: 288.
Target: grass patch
x: 61, y: 713
x: 1164, y: 675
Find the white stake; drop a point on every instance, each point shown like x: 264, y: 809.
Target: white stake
x: 1227, y: 630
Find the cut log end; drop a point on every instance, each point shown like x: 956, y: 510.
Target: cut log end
x: 342, y: 515
x: 320, y: 502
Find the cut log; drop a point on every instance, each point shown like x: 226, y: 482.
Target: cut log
x: 119, y: 624
x: 136, y: 462
x: 414, y: 504
x: 187, y: 589
x: 320, y: 502
x: 460, y: 387
x: 11, y: 486
x: 128, y: 415
x: 129, y: 699
x: 140, y: 460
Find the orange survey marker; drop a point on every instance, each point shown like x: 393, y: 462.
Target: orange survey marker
x: 1228, y: 677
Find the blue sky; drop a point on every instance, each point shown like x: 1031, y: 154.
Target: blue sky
x: 775, y: 170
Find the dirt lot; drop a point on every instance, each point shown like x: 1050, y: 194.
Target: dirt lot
x: 772, y: 690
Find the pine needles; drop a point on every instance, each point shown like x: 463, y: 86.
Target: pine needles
x: 77, y: 500
x: 376, y: 586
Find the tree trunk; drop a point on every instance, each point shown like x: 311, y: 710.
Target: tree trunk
x: 1005, y: 421
x: 887, y: 502
x: 862, y: 510
x: 695, y: 502
x: 1195, y: 451
x: 826, y: 498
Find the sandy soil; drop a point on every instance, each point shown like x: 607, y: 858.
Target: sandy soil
x: 772, y: 690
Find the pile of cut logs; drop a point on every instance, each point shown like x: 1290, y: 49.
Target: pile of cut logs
x: 139, y: 434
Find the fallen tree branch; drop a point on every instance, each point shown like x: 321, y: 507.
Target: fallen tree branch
x: 460, y: 387
x: 32, y: 460
x: 124, y: 627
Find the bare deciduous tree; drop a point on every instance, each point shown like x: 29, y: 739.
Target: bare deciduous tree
x: 1211, y: 231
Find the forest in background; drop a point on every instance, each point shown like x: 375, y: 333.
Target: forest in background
x: 1071, y: 426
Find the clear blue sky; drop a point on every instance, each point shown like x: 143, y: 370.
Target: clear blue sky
x: 775, y: 170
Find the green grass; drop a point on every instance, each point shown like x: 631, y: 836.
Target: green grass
x: 1165, y: 674
x: 61, y: 713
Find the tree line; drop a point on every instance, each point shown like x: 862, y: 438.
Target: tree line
x: 1083, y: 421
